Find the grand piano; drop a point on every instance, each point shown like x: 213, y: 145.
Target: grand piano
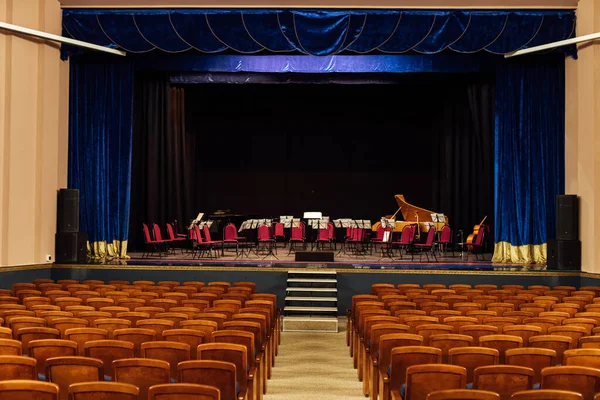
x: 221, y: 218
x: 413, y: 215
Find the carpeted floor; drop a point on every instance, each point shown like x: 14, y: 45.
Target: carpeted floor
x: 314, y: 366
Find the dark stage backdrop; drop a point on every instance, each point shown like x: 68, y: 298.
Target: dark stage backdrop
x: 164, y: 161
x: 344, y: 150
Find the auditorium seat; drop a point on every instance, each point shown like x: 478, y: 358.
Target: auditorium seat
x: 142, y: 373
x: 220, y: 374
x: 171, y: 352
x: 186, y: 390
x: 546, y: 394
x: 29, y: 389
x: 65, y: 371
x: 426, y: 378
x: 236, y: 354
x: 103, y: 391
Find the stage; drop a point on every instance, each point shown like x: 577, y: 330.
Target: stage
x: 341, y: 261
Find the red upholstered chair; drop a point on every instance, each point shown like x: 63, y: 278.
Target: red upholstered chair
x: 167, y: 243
x: 379, y: 235
x: 230, y: 237
x: 406, y: 239
x: 427, y: 247
x: 356, y: 242
x: 297, y: 237
x: 200, y: 247
x: 279, y: 232
x: 176, y: 240
x: 445, y: 239
x: 152, y: 245
x: 477, y: 246
x: 211, y: 242
x: 324, y: 237
x: 266, y: 241
x: 331, y: 231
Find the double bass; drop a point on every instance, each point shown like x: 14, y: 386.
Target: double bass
x: 476, y: 229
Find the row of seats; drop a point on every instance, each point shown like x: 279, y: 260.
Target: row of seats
x: 213, y: 334
x: 446, y: 382
x: 472, y: 327
x: 32, y: 390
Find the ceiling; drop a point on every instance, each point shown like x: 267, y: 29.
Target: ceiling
x: 372, y: 4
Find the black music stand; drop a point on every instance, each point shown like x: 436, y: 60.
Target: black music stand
x: 385, y: 248
x: 268, y: 244
x: 345, y: 224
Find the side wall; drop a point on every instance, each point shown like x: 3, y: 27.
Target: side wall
x: 33, y: 132
x: 582, y: 137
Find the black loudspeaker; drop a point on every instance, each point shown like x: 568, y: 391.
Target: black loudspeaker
x: 71, y: 247
x: 68, y: 210
x: 323, y: 256
x: 567, y: 217
x: 564, y: 255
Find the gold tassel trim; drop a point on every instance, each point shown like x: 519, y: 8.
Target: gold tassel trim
x: 103, y: 250
x: 505, y: 252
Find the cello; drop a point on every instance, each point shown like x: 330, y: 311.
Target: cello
x: 476, y: 229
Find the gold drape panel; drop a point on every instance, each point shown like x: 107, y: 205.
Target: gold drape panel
x: 103, y: 250
x: 505, y: 252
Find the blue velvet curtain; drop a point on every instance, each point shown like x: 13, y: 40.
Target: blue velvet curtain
x: 320, y: 32
x: 529, y: 157
x: 100, y: 125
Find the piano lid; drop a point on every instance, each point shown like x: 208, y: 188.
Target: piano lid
x: 410, y: 212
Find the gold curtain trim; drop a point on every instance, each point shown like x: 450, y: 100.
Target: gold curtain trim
x: 505, y: 252
x: 103, y: 250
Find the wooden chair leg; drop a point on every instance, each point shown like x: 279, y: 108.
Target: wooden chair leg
x: 374, y: 380
x: 366, y: 376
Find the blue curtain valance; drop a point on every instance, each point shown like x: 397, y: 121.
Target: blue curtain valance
x: 320, y: 32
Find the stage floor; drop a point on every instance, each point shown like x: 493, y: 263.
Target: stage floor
x: 445, y: 261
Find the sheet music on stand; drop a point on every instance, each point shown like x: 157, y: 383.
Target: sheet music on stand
x: 196, y: 220
x: 243, y: 226
x: 337, y: 223
x: 209, y: 223
x: 326, y: 219
x: 435, y: 217
x: 254, y: 224
x: 322, y: 223
x: 366, y: 224
x: 359, y: 223
x: 314, y: 223
x: 295, y: 222
x: 387, y: 236
x: 429, y: 225
x: 346, y: 222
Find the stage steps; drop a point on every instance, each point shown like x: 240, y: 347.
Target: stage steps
x: 311, y: 301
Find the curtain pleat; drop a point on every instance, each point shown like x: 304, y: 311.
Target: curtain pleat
x: 100, y: 112
x: 164, y: 162
x: 463, y: 156
x: 529, y: 157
